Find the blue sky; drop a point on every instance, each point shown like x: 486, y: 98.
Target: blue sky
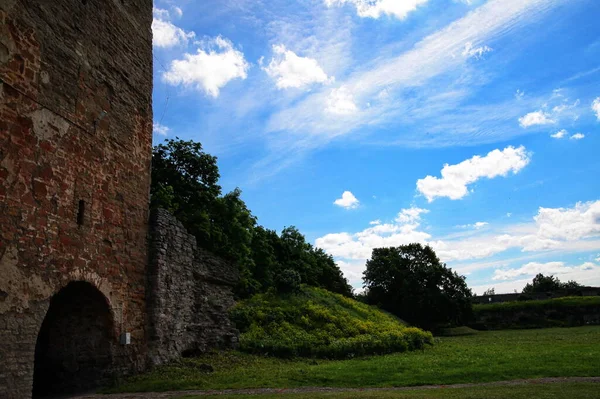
x: 470, y: 125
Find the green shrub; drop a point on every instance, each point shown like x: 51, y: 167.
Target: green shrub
x: 557, y: 312
x: 316, y: 323
x: 288, y: 281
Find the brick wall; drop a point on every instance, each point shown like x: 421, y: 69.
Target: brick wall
x: 75, y: 151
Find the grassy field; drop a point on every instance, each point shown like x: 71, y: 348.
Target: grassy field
x: 528, y: 391
x: 482, y: 357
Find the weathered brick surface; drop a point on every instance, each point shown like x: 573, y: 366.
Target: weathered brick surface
x: 75, y: 124
x: 189, y: 295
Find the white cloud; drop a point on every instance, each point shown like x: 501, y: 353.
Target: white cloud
x: 162, y: 130
x: 475, y: 52
x: 375, y: 8
x: 165, y: 34
x: 412, y: 71
x: 596, y: 107
x: 548, y: 268
x: 178, y: 11
x: 290, y: 70
x: 577, y: 136
x: 476, y: 225
x: 359, y: 246
x: 160, y: 13
x: 536, y: 118
x: 552, y: 230
x: 455, y: 178
x: 348, y: 201
x: 410, y: 215
x: 519, y: 94
x: 581, y: 221
x: 211, y: 68
x: 560, y: 134
x: 375, y: 222
x: 341, y: 102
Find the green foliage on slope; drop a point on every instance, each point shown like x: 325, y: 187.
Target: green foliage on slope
x: 318, y: 323
x: 185, y: 181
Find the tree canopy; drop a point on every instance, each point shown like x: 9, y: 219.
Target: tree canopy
x: 185, y: 182
x: 411, y: 282
x: 550, y: 283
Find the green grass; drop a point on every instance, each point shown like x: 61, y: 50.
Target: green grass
x: 321, y: 324
x: 578, y: 390
x: 484, y: 357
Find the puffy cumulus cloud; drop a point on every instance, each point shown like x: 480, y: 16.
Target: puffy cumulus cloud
x: 359, y: 246
x: 348, y: 201
x: 410, y: 215
x: 165, y: 34
x: 455, y: 178
x: 560, y: 230
x: 376, y: 8
x: 290, y: 70
x: 536, y: 118
x: 560, y: 134
x: 596, y: 107
x: 341, y: 102
x: 533, y: 268
x: 580, y: 222
x: 577, y: 136
x: 475, y: 52
x: 375, y: 222
x: 214, y: 65
x: 162, y: 130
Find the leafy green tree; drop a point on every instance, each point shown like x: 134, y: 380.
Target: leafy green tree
x: 542, y: 283
x: 411, y: 282
x: 549, y: 284
x: 185, y: 182
x: 489, y: 291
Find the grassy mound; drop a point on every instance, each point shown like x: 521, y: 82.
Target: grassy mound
x: 318, y: 323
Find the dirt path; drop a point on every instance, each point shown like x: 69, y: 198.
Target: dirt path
x: 257, y: 391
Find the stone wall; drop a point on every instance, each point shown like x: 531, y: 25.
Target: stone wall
x: 75, y: 151
x: 189, y: 294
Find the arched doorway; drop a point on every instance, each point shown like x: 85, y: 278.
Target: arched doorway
x: 74, y: 347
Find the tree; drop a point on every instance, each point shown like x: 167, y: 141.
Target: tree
x: 411, y: 282
x: 489, y: 291
x: 185, y: 182
x: 546, y: 284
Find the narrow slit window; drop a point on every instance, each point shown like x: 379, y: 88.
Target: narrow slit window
x: 80, y: 212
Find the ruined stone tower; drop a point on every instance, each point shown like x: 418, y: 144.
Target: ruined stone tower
x: 75, y: 151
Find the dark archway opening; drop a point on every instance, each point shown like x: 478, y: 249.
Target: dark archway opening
x: 73, y: 352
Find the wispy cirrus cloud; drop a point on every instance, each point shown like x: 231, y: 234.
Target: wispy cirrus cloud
x: 381, y: 91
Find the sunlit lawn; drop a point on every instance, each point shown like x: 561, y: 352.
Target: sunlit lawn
x: 483, y: 357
